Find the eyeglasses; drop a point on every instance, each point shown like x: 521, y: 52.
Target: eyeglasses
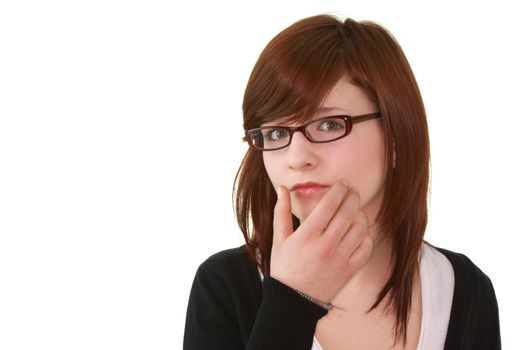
x: 272, y: 138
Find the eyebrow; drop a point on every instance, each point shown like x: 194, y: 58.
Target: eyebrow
x: 320, y: 110
x: 328, y: 109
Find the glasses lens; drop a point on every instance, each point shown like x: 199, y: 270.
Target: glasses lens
x: 326, y: 129
x: 269, y: 138
x: 322, y: 130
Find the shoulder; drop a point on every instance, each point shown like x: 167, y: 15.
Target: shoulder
x: 466, y: 271
x: 474, y: 318
x: 469, y: 278
x: 225, y: 260
x: 229, y: 269
x: 223, y: 301
x: 228, y: 254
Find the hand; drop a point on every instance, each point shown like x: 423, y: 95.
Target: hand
x: 329, y: 247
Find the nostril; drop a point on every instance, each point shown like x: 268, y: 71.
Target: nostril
x: 297, y: 166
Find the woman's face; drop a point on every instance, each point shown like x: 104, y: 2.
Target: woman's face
x: 309, y: 169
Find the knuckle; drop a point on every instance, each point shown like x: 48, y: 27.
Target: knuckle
x: 344, y: 250
x: 323, y: 251
x: 361, y: 255
x: 359, y: 226
x: 361, y: 221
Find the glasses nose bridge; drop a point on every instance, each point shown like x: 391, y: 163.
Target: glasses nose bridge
x: 302, y: 130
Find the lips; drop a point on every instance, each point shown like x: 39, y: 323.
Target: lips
x: 308, y: 189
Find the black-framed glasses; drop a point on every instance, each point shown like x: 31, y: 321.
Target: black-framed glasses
x: 327, y: 129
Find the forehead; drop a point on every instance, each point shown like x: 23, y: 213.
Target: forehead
x: 348, y: 98
x: 344, y: 98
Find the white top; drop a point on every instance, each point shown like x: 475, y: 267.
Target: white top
x: 437, y: 290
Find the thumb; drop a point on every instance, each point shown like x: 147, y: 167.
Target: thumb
x: 282, y: 216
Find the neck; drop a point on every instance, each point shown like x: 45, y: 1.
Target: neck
x: 364, y: 287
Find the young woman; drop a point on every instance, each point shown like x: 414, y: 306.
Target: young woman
x: 332, y: 200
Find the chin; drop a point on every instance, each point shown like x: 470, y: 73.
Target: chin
x: 301, y: 210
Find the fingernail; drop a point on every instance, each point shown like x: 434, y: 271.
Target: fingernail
x: 279, y: 192
x: 345, y: 182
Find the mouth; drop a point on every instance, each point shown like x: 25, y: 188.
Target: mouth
x: 308, y: 189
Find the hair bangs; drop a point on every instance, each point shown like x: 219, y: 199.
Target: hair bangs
x: 292, y: 77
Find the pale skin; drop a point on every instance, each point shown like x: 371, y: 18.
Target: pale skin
x: 337, y: 254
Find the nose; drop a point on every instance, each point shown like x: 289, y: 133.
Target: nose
x: 301, y: 153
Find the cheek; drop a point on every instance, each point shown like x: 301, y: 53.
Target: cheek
x: 365, y: 170
x: 270, y: 165
x: 374, y: 179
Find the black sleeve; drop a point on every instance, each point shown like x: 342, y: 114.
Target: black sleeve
x: 210, y: 319
x: 229, y: 310
x: 488, y: 330
x: 474, y: 320
x: 285, y: 320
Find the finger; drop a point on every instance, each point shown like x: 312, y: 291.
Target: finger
x: 320, y: 217
x: 342, y: 219
x: 354, y: 236
x: 282, y: 216
x: 361, y: 255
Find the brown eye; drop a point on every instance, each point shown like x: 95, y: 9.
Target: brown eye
x: 330, y: 125
x: 276, y: 134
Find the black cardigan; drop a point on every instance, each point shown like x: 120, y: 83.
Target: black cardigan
x: 229, y: 308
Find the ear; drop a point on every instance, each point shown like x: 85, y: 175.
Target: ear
x: 394, y: 156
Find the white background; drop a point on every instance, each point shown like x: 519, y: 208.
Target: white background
x: 120, y: 136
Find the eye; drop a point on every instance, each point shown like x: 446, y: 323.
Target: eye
x: 331, y: 124
x: 276, y: 134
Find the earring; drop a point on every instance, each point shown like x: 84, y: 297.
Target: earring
x: 394, y: 156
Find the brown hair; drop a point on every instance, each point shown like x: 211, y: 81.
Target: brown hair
x: 293, y: 74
